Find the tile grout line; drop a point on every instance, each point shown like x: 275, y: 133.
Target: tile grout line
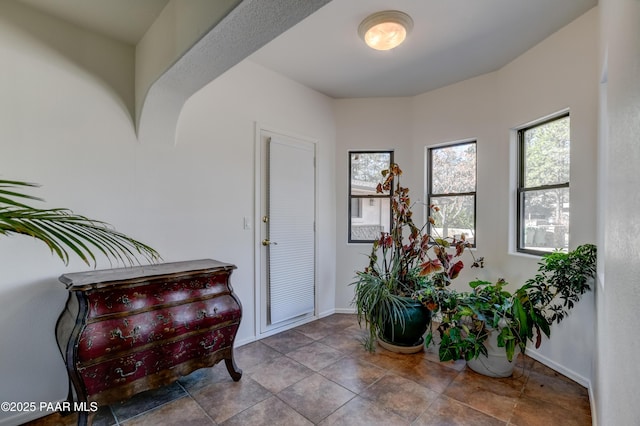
x: 142, y: 413
x: 113, y: 413
x: 526, y: 370
x: 289, y: 405
x: 343, y: 356
x: 525, y: 373
x: 188, y: 394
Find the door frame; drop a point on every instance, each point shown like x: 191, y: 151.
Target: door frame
x: 260, y: 174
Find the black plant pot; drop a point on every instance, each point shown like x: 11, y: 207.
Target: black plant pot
x: 416, y: 320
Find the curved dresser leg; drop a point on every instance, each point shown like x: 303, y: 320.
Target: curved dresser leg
x: 233, y: 369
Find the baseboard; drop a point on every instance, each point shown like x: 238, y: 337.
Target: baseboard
x: 326, y: 313
x: 573, y: 376
x: 345, y: 310
x: 285, y: 327
x: 592, y: 403
x: 578, y: 378
x: 244, y: 341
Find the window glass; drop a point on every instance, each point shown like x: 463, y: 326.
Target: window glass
x: 543, y: 191
x: 455, y: 217
x: 369, y: 211
x: 546, y: 153
x: 546, y: 219
x: 452, y: 191
x: 454, y: 169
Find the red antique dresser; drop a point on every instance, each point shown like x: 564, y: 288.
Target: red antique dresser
x: 127, y: 330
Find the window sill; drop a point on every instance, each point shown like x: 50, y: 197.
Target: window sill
x: 525, y: 255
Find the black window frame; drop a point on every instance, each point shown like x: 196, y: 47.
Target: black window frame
x: 369, y: 197
x: 431, y: 195
x: 522, y: 189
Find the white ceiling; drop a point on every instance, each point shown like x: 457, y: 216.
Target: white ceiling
x: 452, y: 40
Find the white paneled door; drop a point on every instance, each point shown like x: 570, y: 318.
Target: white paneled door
x: 289, y: 230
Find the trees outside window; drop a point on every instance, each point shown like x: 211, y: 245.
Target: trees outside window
x: 543, y: 186
x: 369, y: 212
x: 451, y: 192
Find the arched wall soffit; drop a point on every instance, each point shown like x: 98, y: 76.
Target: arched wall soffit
x: 246, y: 28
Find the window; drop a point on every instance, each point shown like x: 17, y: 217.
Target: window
x: 369, y: 212
x: 543, y: 186
x: 452, y: 191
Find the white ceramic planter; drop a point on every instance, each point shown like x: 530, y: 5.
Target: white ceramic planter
x: 495, y: 364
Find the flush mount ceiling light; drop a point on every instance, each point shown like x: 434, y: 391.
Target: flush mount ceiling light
x: 385, y: 30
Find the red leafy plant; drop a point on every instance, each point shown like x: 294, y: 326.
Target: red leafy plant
x: 406, y: 262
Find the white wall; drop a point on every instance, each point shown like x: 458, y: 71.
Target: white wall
x: 63, y: 127
x: 361, y: 124
x: 175, y: 30
x: 559, y: 73
x: 617, y: 385
x: 67, y: 126
x: 217, y: 128
x: 469, y: 111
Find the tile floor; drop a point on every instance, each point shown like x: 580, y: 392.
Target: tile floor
x: 319, y: 373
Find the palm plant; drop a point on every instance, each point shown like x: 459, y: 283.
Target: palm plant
x: 64, y: 232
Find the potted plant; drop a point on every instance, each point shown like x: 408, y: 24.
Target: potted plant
x: 488, y: 325
x: 403, y: 263
x: 64, y: 232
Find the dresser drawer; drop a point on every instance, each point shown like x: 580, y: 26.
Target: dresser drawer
x: 138, y: 365
x: 124, y: 333
x: 127, y: 330
x: 138, y: 296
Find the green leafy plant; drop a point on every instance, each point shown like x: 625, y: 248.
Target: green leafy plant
x: 403, y: 264
x: 520, y: 317
x: 64, y: 232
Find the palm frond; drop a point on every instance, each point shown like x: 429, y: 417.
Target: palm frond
x: 66, y: 233
x: 7, y: 197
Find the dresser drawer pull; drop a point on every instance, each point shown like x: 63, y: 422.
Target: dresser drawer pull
x: 203, y: 343
x: 121, y: 373
x: 134, y: 335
